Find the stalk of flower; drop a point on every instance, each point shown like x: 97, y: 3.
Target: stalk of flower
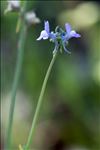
x: 16, y: 76
x: 25, y: 19
x: 60, y: 39
x: 24, y: 22
x: 14, y: 6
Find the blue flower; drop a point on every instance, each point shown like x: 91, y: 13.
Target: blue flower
x: 44, y: 33
x: 70, y: 33
x: 59, y: 37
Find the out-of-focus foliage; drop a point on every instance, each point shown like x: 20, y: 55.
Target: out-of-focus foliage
x: 70, y: 115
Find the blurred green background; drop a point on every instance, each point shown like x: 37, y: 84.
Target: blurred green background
x: 70, y: 114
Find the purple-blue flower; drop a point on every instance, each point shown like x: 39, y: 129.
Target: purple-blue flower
x: 45, y: 33
x: 59, y: 37
x: 70, y: 33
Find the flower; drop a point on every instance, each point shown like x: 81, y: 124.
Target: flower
x: 45, y: 34
x: 59, y: 37
x: 13, y: 6
x: 70, y: 33
x: 31, y: 18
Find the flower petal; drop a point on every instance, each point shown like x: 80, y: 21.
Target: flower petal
x: 46, y: 27
x: 74, y: 34
x: 43, y: 35
x: 68, y: 28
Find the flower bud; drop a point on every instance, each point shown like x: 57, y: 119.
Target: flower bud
x: 31, y: 18
x: 13, y: 6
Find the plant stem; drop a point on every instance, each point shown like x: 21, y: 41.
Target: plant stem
x: 21, y: 44
x: 40, y: 100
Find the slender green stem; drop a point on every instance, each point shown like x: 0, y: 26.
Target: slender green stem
x: 21, y: 44
x: 40, y: 100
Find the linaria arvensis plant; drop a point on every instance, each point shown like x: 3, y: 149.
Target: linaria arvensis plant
x: 25, y: 19
x: 60, y: 38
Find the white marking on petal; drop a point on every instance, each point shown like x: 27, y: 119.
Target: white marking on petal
x: 44, y: 35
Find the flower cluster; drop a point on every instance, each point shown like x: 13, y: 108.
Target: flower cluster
x: 59, y: 37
